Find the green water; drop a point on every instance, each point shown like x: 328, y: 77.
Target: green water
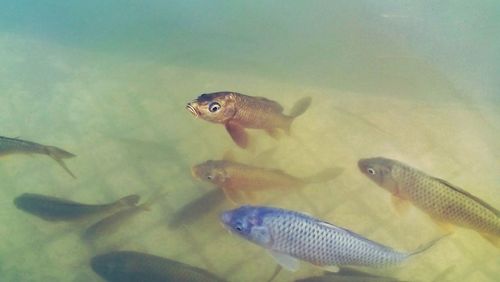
x: 415, y: 81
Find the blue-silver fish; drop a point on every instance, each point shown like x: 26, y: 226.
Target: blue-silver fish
x: 18, y: 146
x: 291, y: 236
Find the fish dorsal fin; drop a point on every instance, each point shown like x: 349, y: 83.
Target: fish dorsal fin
x: 465, y: 193
x: 288, y: 262
x: 270, y: 103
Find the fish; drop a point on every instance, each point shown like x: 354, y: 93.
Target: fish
x: 290, y: 236
x: 51, y: 208
x: 113, y: 222
x: 197, y: 208
x: 130, y: 266
x: 447, y: 204
x: 348, y: 275
x: 238, y: 112
x: 239, y: 180
x: 18, y: 146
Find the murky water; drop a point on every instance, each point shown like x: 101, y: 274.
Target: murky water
x: 414, y: 81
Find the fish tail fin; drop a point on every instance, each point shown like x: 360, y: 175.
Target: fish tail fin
x: 58, y: 155
x: 493, y: 239
x: 426, y: 246
x: 325, y: 175
x: 152, y: 199
x: 298, y: 109
x: 130, y: 200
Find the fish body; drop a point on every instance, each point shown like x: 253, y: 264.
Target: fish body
x: 443, y: 201
x: 18, y: 146
x: 238, y: 111
x: 290, y: 235
x: 129, y: 266
x: 113, y: 222
x: 197, y: 208
x: 57, y: 209
x: 237, y: 179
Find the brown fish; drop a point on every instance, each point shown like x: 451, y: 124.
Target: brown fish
x: 237, y: 179
x: 444, y: 202
x: 238, y: 111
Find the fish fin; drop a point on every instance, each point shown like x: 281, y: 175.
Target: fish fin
x: 331, y: 268
x: 493, y: 239
x: 286, y: 261
x: 229, y: 156
x: 264, y: 157
x: 401, y: 206
x: 300, y: 107
x: 441, y: 276
x: 238, y: 134
x: 232, y: 195
x: 59, y: 154
x: 426, y: 246
x: 469, y: 195
x: 130, y: 200
x: 325, y: 175
x: 447, y: 227
x: 274, y: 133
x: 277, y: 271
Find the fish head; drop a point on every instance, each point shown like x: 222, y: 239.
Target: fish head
x: 211, y: 171
x: 248, y: 222
x: 216, y: 107
x: 109, y: 265
x: 379, y: 171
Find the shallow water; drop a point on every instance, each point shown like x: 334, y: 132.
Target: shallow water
x: 413, y: 81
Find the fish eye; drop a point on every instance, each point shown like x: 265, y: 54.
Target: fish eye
x: 239, y: 228
x: 371, y: 171
x: 213, y: 107
x: 210, y: 177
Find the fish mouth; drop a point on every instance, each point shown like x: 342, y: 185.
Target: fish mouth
x: 362, y: 165
x: 225, y: 218
x: 193, y: 110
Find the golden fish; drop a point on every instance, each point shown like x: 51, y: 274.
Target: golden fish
x: 237, y: 112
x: 444, y: 202
x: 237, y: 179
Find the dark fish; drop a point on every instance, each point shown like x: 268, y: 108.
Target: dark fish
x: 238, y: 111
x: 18, y: 146
x: 56, y: 209
x: 197, y: 208
x: 348, y: 275
x: 128, y: 266
x: 114, y: 222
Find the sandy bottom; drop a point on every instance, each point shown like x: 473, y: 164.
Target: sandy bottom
x: 126, y: 122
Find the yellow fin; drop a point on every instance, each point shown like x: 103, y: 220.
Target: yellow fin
x: 274, y: 133
x: 446, y: 227
x: 495, y: 240
x: 401, y: 206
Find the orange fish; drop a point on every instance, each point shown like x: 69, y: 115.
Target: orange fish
x: 237, y: 179
x: 238, y: 111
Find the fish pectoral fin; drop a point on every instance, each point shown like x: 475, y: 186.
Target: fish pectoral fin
x: 288, y: 262
x: 331, y: 268
x: 495, y: 240
x: 446, y: 227
x: 274, y: 133
x: 401, y: 206
x: 238, y: 134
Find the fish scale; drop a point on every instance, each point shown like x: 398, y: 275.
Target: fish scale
x: 443, y: 203
x: 290, y: 235
x: 314, y: 241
